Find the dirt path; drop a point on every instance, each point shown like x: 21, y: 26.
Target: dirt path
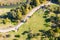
x: 26, y: 18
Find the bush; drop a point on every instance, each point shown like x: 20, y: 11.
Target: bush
x: 17, y: 36
x: 37, y: 34
x: 47, y: 20
x: 8, y: 35
x: 46, y: 12
x: 15, y: 39
x: 47, y: 25
x: 44, y: 16
x: 24, y: 32
x: 30, y: 35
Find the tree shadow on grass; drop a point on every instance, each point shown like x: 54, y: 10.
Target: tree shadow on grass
x: 48, y: 33
x: 24, y: 32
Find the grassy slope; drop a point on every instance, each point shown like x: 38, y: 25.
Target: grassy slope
x: 35, y: 23
x: 32, y: 23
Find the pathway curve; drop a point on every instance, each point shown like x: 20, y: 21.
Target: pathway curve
x: 29, y: 14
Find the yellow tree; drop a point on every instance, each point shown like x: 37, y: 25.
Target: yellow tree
x: 19, y: 14
x: 45, y: 1
x: 30, y: 8
x: 37, y: 2
x: 42, y: 1
x: 7, y: 20
x: 27, y: 10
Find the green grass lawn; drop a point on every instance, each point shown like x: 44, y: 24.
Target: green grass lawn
x: 35, y: 23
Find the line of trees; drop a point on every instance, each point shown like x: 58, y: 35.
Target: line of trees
x: 54, y: 32
x: 19, y: 13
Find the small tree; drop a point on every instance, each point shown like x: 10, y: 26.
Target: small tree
x: 19, y: 14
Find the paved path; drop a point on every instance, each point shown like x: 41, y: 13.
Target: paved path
x: 29, y: 14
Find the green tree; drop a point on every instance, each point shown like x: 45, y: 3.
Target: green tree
x: 23, y: 10
x: 13, y: 14
x: 35, y: 2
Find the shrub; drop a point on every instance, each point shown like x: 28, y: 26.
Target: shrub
x: 8, y: 35
x: 47, y: 25
x: 15, y: 39
x: 24, y: 32
x: 46, y: 12
x: 47, y: 20
x: 44, y: 16
x: 17, y: 36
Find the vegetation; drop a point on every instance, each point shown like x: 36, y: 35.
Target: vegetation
x: 43, y: 25
x: 28, y: 30
x: 17, y: 14
x: 17, y: 36
x: 45, y: 30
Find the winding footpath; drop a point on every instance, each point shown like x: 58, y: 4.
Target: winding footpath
x: 26, y: 18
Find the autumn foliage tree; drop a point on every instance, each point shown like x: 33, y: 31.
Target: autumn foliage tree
x: 19, y: 14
